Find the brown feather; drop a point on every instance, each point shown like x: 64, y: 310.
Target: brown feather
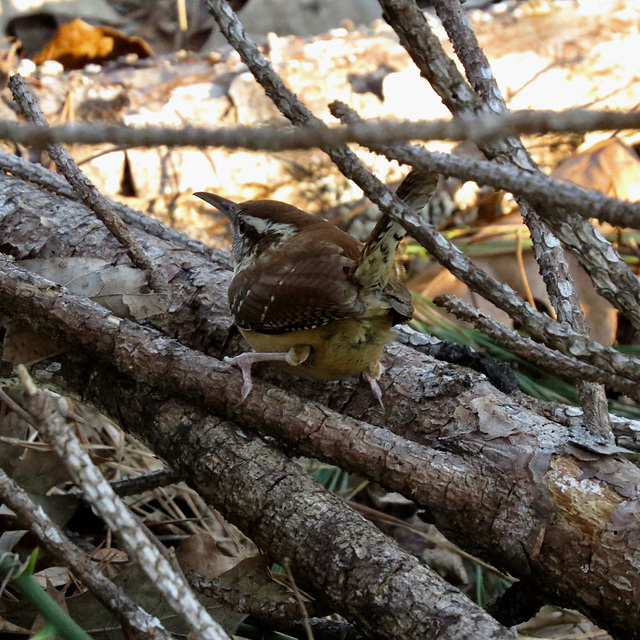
x: 318, y: 277
x: 317, y: 280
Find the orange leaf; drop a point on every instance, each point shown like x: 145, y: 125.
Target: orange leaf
x: 77, y: 44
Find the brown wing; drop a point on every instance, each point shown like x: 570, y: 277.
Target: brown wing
x: 309, y: 288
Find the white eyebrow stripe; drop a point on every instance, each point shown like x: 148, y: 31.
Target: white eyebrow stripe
x: 261, y: 225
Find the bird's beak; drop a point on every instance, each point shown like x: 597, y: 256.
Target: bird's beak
x: 227, y: 207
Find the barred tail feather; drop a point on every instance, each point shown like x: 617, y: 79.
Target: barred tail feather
x: 379, y: 254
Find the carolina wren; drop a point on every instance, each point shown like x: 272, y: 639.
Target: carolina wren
x: 310, y: 296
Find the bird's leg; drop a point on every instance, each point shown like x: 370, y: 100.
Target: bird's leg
x: 294, y: 357
x: 372, y: 376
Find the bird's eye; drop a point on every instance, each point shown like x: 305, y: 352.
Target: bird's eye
x: 242, y: 227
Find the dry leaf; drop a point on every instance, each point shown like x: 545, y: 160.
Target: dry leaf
x: 55, y: 576
x: 202, y: 553
x: 253, y: 578
x: 77, y: 44
x: 10, y: 539
x: 82, y: 276
x: 24, y: 346
x: 40, y: 623
x: 39, y: 471
x: 103, y: 625
x: 118, y: 288
x: 110, y: 555
x: 609, y: 166
x: 35, y: 469
x: 7, y: 627
x: 12, y: 426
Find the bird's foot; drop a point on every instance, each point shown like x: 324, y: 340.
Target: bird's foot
x: 372, y: 376
x: 295, y: 356
x: 375, y: 388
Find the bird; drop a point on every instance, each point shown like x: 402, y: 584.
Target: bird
x: 311, y: 297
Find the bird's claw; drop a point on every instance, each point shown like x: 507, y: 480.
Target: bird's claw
x: 244, y: 364
x: 375, y: 389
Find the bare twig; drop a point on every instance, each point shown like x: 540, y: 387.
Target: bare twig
x: 85, y: 190
x: 547, y: 249
x: 627, y: 432
x: 55, y: 422
x: 145, y: 482
x: 322, y: 628
x: 479, y: 128
x: 299, y: 600
x: 55, y: 541
x: 564, y: 366
x: 499, y: 373
x: 475, y: 63
x: 536, y: 187
x: 16, y: 408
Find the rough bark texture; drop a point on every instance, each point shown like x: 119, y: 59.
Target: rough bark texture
x: 36, y: 224
x: 501, y: 481
x: 549, y: 254
x: 334, y: 552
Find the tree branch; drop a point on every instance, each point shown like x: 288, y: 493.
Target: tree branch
x: 565, y: 367
x: 84, y: 189
x: 454, y: 409
x: 480, y: 129
x: 56, y: 542
x: 55, y: 421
